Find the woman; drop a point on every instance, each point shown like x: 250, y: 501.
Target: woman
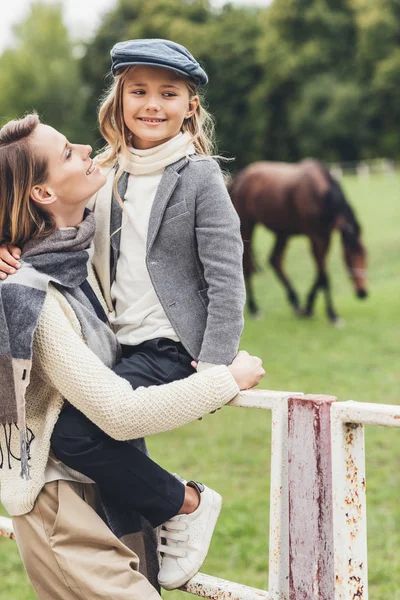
x: 55, y: 345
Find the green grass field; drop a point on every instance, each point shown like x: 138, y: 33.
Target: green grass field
x: 231, y: 449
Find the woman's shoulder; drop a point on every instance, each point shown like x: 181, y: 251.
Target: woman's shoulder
x: 57, y: 307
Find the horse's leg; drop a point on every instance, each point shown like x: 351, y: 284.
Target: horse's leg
x: 320, y: 247
x: 275, y: 260
x: 248, y: 266
x: 251, y: 303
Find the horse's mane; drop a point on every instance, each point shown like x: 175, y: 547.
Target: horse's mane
x: 336, y: 205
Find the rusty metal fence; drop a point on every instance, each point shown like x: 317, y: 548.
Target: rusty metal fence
x: 317, y: 538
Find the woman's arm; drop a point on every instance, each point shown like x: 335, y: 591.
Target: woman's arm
x: 108, y: 400
x: 220, y: 250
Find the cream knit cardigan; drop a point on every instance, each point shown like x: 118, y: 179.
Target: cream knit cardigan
x: 64, y: 367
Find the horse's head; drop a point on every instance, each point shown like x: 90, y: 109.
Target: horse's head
x: 355, y: 254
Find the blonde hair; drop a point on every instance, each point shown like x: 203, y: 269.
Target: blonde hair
x: 200, y: 125
x: 21, y: 168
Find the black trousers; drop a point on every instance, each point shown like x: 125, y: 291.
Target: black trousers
x: 126, y: 476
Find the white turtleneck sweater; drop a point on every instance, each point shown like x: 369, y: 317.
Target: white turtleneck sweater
x: 139, y: 315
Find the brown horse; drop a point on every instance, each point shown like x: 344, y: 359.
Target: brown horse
x: 298, y: 199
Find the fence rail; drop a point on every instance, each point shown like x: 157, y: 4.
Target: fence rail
x: 318, y: 538
x: 365, y: 168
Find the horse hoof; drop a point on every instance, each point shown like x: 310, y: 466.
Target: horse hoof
x: 257, y: 315
x: 303, y: 312
x: 339, y: 322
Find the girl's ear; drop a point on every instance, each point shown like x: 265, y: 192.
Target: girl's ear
x: 43, y: 195
x: 193, y: 106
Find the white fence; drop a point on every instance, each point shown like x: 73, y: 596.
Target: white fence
x: 318, y: 541
x: 364, y: 168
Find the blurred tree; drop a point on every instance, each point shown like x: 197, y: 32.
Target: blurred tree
x: 304, y: 41
x: 378, y: 67
x: 326, y: 121
x: 42, y: 73
x: 229, y: 54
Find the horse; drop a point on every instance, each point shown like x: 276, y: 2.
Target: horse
x: 298, y: 199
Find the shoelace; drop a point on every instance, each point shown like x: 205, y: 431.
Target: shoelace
x: 172, y: 531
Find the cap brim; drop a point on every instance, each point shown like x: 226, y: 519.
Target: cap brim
x: 121, y: 65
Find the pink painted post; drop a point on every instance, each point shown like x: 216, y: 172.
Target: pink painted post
x: 311, y: 564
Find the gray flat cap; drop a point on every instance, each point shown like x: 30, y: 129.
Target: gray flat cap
x: 159, y: 53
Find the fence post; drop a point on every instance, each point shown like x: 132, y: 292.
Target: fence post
x: 349, y: 509
x: 278, y: 579
x: 311, y: 553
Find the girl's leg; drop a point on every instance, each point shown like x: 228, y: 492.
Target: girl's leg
x: 124, y: 474
x: 126, y: 477
x: 70, y: 554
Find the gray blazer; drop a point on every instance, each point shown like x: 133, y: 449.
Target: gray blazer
x: 194, y: 257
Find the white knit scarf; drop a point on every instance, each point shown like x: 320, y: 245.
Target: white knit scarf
x: 145, y: 162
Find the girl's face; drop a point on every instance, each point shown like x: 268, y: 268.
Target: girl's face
x: 72, y: 177
x: 155, y: 103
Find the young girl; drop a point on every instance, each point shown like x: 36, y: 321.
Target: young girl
x: 168, y: 254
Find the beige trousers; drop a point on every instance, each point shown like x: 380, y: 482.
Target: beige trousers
x: 69, y: 552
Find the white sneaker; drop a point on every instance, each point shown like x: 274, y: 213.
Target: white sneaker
x: 187, y: 539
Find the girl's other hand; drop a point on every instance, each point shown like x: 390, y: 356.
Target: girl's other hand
x: 247, y: 370
x: 9, y: 256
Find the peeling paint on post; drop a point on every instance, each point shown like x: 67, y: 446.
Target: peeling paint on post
x: 351, y: 569
x: 311, y: 552
x: 6, y: 528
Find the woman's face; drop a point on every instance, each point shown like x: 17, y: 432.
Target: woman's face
x: 72, y: 176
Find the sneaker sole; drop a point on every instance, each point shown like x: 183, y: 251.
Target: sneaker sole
x: 214, y: 514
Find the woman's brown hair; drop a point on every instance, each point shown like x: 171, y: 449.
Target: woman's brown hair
x: 21, y: 169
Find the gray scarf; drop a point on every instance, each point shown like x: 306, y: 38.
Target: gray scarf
x: 62, y: 260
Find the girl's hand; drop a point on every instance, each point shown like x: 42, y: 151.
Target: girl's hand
x: 247, y: 370
x: 9, y: 256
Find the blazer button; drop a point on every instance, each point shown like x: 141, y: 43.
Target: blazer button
x: 154, y: 262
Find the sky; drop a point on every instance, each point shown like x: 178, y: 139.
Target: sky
x: 81, y: 16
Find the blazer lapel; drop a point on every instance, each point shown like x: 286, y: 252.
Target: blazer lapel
x: 164, y: 192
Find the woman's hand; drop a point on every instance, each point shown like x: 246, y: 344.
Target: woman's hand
x: 9, y: 256
x: 247, y: 370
